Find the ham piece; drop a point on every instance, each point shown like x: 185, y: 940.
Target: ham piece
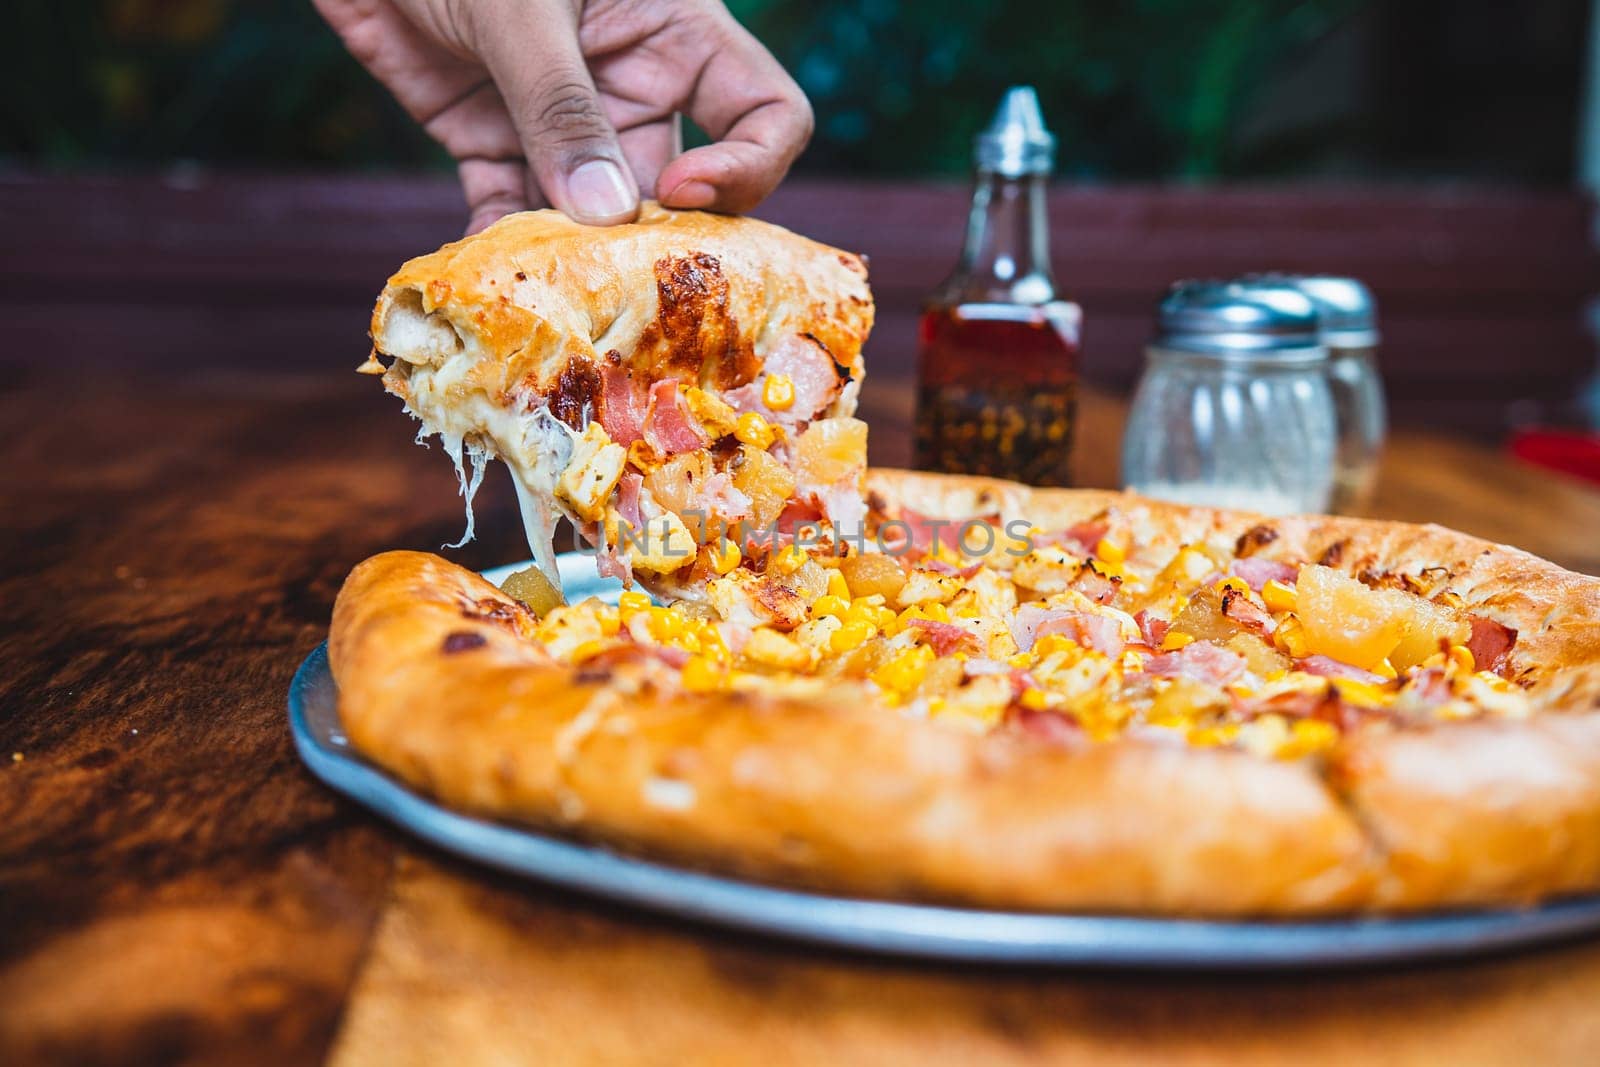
x: 945, y: 637
x: 1257, y: 572
x: 1490, y: 644
x: 622, y: 406
x: 1099, y: 632
x: 1153, y: 628
x: 1201, y: 661
x: 1080, y: 538
x: 667, y: 428
x: 1328, y: 667
x: 808, y: 366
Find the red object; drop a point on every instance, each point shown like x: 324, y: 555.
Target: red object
x: 997, y: 390
x: 1575, y: 452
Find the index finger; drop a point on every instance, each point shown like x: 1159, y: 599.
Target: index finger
x: 759, y: 120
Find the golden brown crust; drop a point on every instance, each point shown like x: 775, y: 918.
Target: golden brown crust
x: 536, y: 297
x: 843, y: 793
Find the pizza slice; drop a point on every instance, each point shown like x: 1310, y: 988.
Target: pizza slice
x: 682, y: 390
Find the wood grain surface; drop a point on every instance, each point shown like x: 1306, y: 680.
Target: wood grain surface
x: 177, y: 889
x: 189, y: 470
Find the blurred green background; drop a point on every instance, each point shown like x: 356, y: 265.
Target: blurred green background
x: 1143, y: 89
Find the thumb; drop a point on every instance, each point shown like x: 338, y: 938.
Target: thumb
x: 532, y: 52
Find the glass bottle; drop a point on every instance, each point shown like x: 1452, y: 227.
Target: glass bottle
x: 1234, y: 409
x: 1349, y: 327
x: 998, y: 350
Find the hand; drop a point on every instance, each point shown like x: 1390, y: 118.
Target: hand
x: 574, y: 104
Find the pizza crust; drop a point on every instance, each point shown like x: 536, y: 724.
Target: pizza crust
x: 841, y: 793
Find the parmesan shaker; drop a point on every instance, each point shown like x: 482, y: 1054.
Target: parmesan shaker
x: 1234, y: 409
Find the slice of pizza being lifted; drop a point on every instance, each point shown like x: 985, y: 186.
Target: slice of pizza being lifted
x: 679, y: 434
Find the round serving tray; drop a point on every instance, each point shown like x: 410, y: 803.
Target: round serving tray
x: 890, y: 927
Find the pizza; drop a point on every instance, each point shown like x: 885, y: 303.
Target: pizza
x: 912, y: 686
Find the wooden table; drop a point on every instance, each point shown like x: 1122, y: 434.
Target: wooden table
x: 176, y: 888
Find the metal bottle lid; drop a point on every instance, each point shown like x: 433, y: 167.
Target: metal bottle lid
x: 1244, y: 320
x: 1016, y: 144
x: 1348, y: 313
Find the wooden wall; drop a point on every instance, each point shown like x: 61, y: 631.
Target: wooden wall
x: 1483, y: 293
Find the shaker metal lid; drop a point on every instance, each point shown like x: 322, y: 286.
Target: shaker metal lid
x: 1348, y: 313
x: 1243, y: 319
x: 1016, y: 144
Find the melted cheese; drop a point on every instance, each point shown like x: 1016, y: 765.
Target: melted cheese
x: 535, y: 445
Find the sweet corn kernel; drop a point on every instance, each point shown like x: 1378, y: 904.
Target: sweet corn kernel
x: 1034, y: 699
x: 777, y: 392
x: 586, y: 650
x: 610, y: 620
x: 904, y: 673
x: 937, y: 612
x: 1290, y: 637
x: 850, y: 636
x: 754, y: 430
x: 632, y: 601
x: 1493, y: 681
x: 665, y: 624
x: 1021, y: 659
x: 828, y: 604
x: 1109, y: 551
x: 1386, y: 670
x: 701, y: 675
x: 1363, y: 693
x: 1307, y: 736
x: 1278, y: 596
x: 1462, y: 657
x: 786, y: 561
x: 837, y: 586
x: 1055, y: 644
x: 1175, y: 640
x: 1238, y: 585
x: 725, y: 557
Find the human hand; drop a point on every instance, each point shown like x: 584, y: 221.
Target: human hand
x: 574, y: 104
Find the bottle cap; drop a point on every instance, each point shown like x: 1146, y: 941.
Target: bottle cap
x: 1247, y: 320
x: 1016, y: 144
x: 1348, y: 313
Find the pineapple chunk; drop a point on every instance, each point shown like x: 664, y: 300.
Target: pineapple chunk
x: 1433, y: 628
x: 871, y: 574
x: 1202, y: 619
x: 768, y: 484
x: 831, y: 451
x: 591, y: 473
x: 1344, y: 619
x: 679, y: 486
x: 1260, y: 658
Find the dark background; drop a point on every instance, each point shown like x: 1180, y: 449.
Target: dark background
x: 1137, y: 90
x: 205, y: 183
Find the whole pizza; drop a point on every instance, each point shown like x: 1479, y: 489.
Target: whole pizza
x: 903, y: 685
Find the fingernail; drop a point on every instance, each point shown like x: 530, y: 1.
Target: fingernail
x: 691, y: 194
x: 600, y: 194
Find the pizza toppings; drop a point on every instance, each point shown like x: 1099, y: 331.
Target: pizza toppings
x: 667, y: 428
x: 1490, y: 644
x: 1069, y: 641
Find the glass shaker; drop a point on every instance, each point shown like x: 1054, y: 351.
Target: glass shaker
x: 1349, y: 325
x: 1234, y: 409
x: 997, y: 372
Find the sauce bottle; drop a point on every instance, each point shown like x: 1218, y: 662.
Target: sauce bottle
x: 998, y: 351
